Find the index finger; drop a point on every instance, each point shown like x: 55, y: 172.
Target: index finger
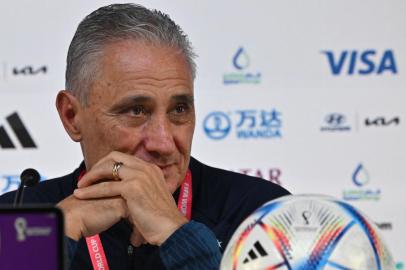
x: 103, y: 169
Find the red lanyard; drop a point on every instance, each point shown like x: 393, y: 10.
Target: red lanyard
x: 95, y: 246
x: 185, y: 196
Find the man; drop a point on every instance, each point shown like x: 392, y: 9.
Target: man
x: 129, y: 103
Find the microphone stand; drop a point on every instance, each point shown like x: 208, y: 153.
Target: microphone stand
x: 29, y: 178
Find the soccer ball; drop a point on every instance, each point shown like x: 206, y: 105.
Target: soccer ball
x: 307, y: 232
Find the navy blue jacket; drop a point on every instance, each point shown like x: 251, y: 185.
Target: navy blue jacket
x: 221, y: 200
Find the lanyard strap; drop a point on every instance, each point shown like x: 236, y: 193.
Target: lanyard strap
x: 185, y: 196
x: 96, y: 252
x: 95, y: 246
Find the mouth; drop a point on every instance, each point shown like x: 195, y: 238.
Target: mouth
x: 167, y: 170
x: 164, y: 167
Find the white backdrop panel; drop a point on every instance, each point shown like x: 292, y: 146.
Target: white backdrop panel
x: 330, y: 65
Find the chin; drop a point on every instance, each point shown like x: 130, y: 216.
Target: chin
x: 172, y: 185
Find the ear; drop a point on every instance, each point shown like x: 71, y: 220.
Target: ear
x: 69, y: 109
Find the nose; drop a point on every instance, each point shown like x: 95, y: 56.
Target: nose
x: 159, y: 140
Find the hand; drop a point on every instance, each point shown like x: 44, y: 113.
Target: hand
x: 89, y: 217
x: 151, y: 207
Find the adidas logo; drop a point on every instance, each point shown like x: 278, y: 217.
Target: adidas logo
x: 20, y: 131
x: 252, y: 253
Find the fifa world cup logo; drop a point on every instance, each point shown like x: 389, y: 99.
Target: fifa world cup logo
x: 20, y: 225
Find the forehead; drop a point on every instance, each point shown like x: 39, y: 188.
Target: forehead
x: 135, y: 67
x: 132, y: 57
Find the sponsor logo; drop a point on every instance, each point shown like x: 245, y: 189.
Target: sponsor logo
x: 360, y: 179
x: 306, y: 216
x: 335, y: 122
x: 245, y: 124
x: 241, y: 75
x: 382, y: 121
x: 217, y: 125
x: 22, y: 71
x: 29, y: 70
x: 307, y: 224
x: 9, y: 182
x: 20, y: 131
x: 272, y: 174
x: 361, y: 62
x: 257, y: 251
x: 23, y: 231
x: 384, y: 226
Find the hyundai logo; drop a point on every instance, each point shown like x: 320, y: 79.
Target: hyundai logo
x: 335, y: 119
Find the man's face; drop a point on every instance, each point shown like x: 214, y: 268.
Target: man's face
x: 141, y: 103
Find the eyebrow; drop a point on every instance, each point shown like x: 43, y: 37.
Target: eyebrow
x: 130, y: 101
x: 186, y: 98
x: 141, y: 99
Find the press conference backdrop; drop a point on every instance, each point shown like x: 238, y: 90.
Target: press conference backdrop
x: 308, y: 94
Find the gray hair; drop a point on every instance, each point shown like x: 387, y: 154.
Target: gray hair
x: 114, y: 23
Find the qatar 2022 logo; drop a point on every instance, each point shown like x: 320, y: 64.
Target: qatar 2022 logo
x: 361, y: 192
x: 242, y: 73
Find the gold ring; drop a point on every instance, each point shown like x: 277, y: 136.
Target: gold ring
x: 116, y: 167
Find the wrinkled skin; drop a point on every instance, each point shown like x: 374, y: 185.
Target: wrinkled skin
x: 140, y: 112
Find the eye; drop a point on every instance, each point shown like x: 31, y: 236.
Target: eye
x: 181, y: 108
x: 137, y: 110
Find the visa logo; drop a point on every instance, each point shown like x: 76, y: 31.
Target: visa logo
x: 366, y: 62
